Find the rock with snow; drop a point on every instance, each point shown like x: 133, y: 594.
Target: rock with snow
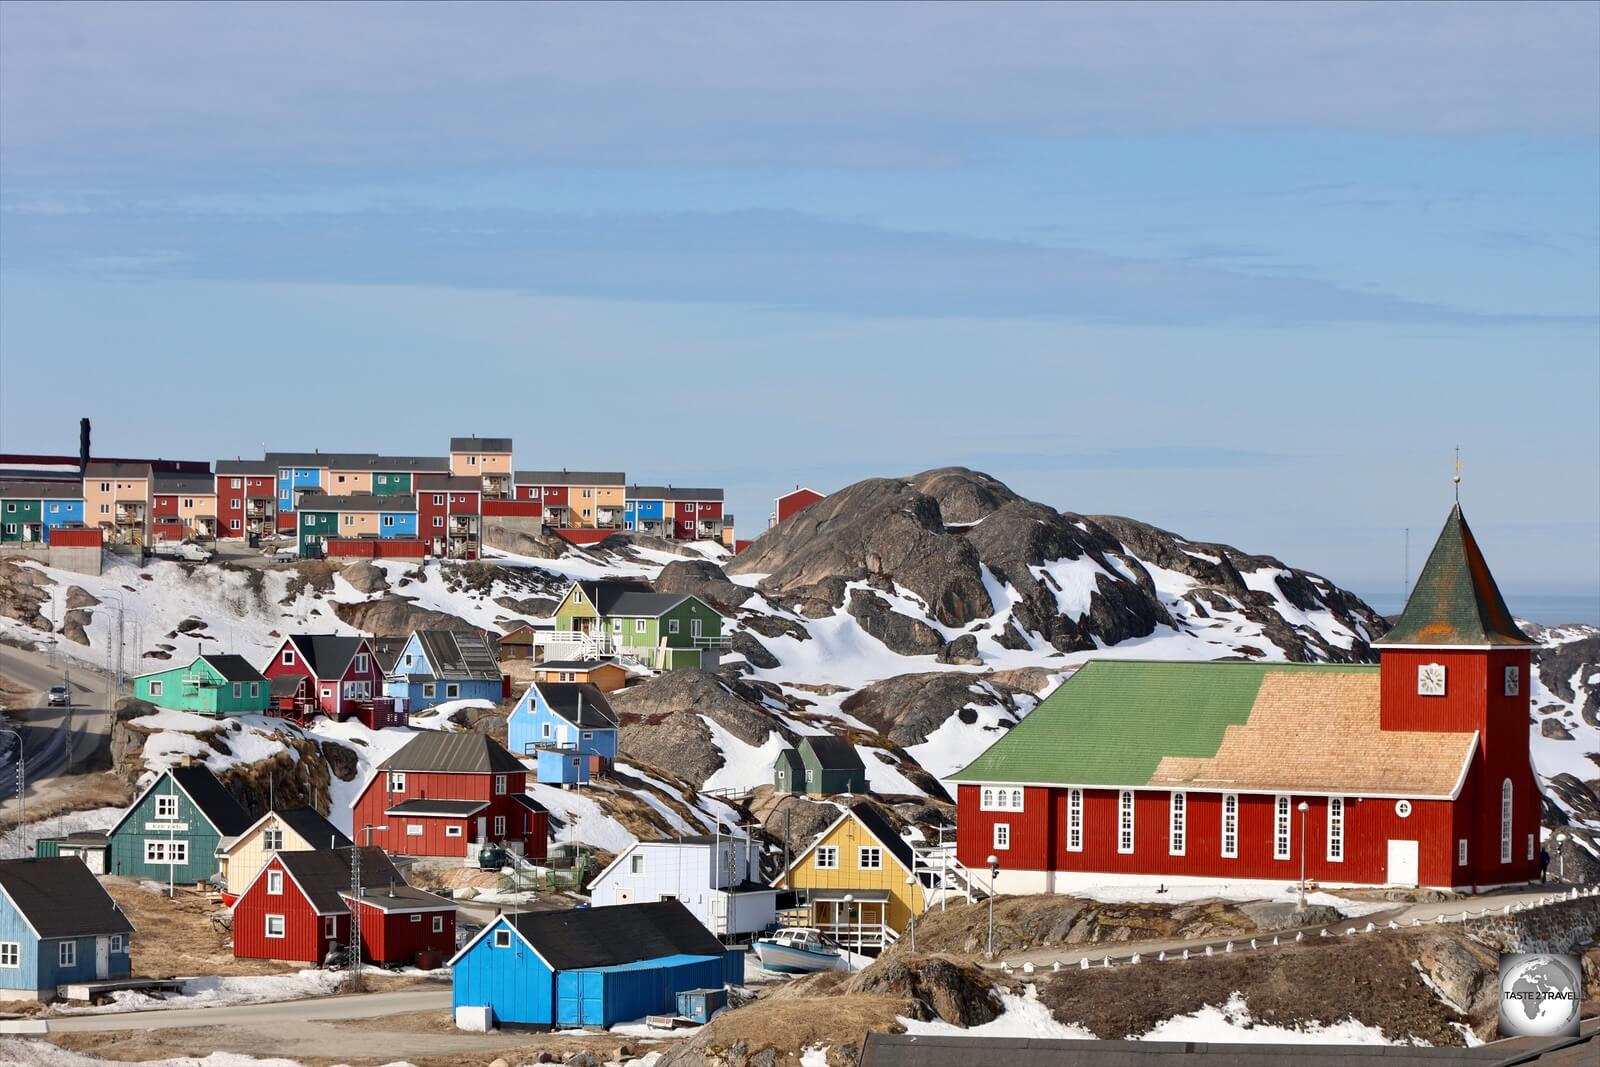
x: 909, y: 707
x: 938, y: 987
x: 901, y: 634
x: 663, y: 721
x: 365, y: 577
x: 962, y: 651
x: 22, y: 591
x: 1553, y: 729
x: 758, y: 655
x: 704, y: 579
x: 396, y: 616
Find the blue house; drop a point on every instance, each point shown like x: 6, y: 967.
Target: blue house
x: 397, y: 524
x: 590, y: 966
x: 57, y: 925
x: 434, y: 666
x: 644, y: 509
x: 563, y: 716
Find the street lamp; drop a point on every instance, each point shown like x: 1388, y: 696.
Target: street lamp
x: 994, y: 872
x: 22, y: 789
x: 911, y: 896
x: 1304, y: 807
x: 1561, y: 856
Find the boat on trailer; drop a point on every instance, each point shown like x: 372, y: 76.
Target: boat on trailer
x: 798, y: 950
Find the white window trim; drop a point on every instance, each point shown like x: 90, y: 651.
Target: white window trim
x: 830, y: 853
x: 452, y: 830
x: 1001, y: 798
x: 156, y: 687
x: 414, y: 829
x: 1074, y: 820
x: 1230, y: 826
x: 438, y: 924
x: 67, y: 953
x: 499, y: 785
x: 167, y: 806
x: 1506, y: 811
x: 452, y: 689
x: 1002, y: 836
x: 499, y: 826
x: 10, y: 953
x: 428, y: 690
x: 1282, y: 827
x: 1125, y: 829
x: 869, y: 858
x: 266, y: 927
x: 1177, y: 823
x: 502, y: 939
x: 274, y: 883
x: 1336, y: 829
x: 397, y: 781
x: 1461, y: 852
x: 272, y: 839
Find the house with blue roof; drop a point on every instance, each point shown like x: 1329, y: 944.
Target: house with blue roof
x: 568, y: 727
x: 57, y: 925
x: 591, y: 967
x: 435, y: 666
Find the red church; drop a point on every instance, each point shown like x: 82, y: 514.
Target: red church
x: 1412, y: 772
x: 448, y: 794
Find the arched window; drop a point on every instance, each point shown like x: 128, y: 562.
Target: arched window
x: 1016, y: 799
x: 988, y: 798
x: 1505, y: 821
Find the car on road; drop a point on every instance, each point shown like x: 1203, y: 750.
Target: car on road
x: 59, y: 697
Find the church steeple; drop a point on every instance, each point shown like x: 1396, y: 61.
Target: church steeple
x: 1455, y: 600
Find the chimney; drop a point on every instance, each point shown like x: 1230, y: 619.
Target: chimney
x: 83, y: 445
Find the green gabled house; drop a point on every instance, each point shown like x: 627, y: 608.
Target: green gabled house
x: 661, y: 631
x: 820, y: 766
x: 207, y: 685
x: 174, y: 827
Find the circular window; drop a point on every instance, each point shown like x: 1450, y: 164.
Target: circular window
x: 1402, y: 808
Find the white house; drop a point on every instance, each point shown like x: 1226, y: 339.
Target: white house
x: 716, y: 878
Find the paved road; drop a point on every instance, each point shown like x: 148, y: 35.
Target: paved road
x: 287, y: 1012
x: 48, y: 742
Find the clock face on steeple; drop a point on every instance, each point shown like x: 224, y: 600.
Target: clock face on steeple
x: 1513, y: 681
x: 1430, y: 680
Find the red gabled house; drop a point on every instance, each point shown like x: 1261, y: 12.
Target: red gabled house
x: 450, y: 515
x: 1412, y: 772
x: 792, y: 503
x: 247, y: 499
x: 340, y: 678
x: 449, y: 794
x: 298, y: 908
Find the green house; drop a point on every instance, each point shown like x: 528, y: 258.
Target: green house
x: 314, y: 528
x: 171, y: 832
x: 661, y: 631
x: 208, y: 685
x: 820, y: 766
x: 391, y: 484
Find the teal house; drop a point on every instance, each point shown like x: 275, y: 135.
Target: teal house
x: 57, y: 925
x: 207, y: 685
x: 822, y: 765
x: 171, y: 832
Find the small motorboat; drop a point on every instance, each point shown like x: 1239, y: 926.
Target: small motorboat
x: 798, y: 950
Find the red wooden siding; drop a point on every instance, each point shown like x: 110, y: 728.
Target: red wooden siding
x: 163, y: 505
x: 303, y: 938
x: 375, y: 548
x: 797, y: 501
x: 584, y: 537
x: 390, y: 938
x: 529, y: 827
x: 528, y: 509
x: 76, y: 538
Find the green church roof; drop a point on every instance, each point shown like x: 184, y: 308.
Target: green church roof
x: 1113, y: 721
x: 1455, y: 600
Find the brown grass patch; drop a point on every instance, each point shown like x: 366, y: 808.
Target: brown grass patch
x: 175, y: 936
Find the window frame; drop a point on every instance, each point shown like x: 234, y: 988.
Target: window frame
x: 438, y: 923
x: 1002, y: 836
x: 1230, y: 826
x: 1282, y: 827
x: 396, y: 782
x: 157, y: 687
x: 272, y: 839
x: 1507, y: 811
x: 166, y: 805
x: 1177, y: 823
x: 1461, y: 852
x: 266, y: 927
x: 1336, y: 816
x: 828, y: 852
x: 501, y: 939
x: 498, y: 829
x: 453, y: 830
x: 67, y: 953
x: 10, y: 953
x: 1126, y: 840
x: 869, y: 857
x: 274, y: 883
x: 1074, y: 820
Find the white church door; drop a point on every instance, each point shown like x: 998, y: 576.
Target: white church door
x: 1402, y: 863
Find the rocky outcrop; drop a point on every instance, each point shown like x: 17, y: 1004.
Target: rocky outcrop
x: 1464, y: 974
x: 79, y: 597
x: 946, y: 537
x: 962, y: 651
x: 776, y: 626
x: 909, y: 707
x: 365, y: 577
x: 1569, y: 670
x: 938, y: 987
x: 704, y: 579
x: 23, y: 590
x: 311, y: 576
x: 662, y: 724
x: 757, y: 654
x: 396, y: 616
x: 900, y: 633
x: 511, y: 538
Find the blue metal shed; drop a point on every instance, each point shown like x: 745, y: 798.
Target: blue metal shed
x: 590, y: 967
x: 563, y: 766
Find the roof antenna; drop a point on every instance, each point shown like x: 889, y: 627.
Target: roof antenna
x: 1405, y: 576
x: 1457, y: 478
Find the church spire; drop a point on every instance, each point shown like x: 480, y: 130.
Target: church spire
x: 1455, y: 600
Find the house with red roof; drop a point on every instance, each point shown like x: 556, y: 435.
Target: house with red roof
x: 1413, y: 772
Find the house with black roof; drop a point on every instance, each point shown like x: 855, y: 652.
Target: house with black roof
x: 339, y: 676
x: 57, y: 925
x: 209, y: 684
x: 820, y: 765
x: 436, y: 666
x: 858, y: 879
x: 299, y: 906
x: 625, y: 619
x: 568, y: 727
x: 591, y: 967
x: 172, y: 831
x: 299, y: 829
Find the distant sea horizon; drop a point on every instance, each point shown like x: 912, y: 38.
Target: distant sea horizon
x: 1546, y: 609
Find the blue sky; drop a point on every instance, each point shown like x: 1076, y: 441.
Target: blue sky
x: 1249, y: 272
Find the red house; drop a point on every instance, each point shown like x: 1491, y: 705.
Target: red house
x: 448, y: 794
x: 450, y: 515
x: 247, y: 499
x: 341, y: 678
x: 792, y: 503
x: 1413, y: 772
x: 298, y: 908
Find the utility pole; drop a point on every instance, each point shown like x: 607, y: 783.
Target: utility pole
x: 354, y: 960
x: 66, y: 681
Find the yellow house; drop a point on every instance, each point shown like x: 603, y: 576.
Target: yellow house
x: 291, y: 830
x: 857, y: 880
